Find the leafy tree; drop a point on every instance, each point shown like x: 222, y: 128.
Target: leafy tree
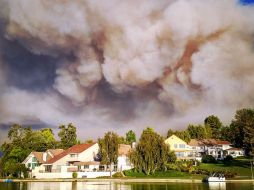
x: 215, y: 124
x: 149, y: 157
x: 198, y: 132
x: 67, y: 136
x: 184, y: 135
x: 170, y: 133
x: 108, y: 149
x: 22, y: 141
x: 242, y: 129
x: 130, y: 137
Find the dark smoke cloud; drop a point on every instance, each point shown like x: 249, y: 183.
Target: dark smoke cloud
x: 118, y: 65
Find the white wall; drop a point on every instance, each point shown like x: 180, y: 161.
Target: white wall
x: 85, y: 156
x: 123, y: 163
x: 67, y: 175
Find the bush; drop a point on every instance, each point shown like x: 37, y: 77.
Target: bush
x: 208, y: 159
x: 118, y: 175
x: 75, y: 175
x: 228, y: 158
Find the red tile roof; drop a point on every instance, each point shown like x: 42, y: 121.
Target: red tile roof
x: 207, y: 142
x: 78, y: 148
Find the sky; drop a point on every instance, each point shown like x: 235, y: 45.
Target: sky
x: 116, y: 65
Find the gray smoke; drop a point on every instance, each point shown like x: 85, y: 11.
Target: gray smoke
x: 120, y: 65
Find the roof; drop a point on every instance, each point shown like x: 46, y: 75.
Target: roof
x: 86, y: 163
x: 207, y: 142
x: 223, y: 142
x: 236, y: 149
x: 124, y: 149
x: 38, y: 156
x: 78, y: 148
x: 55, y: 152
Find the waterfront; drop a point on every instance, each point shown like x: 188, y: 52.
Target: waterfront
x: 122, y: 186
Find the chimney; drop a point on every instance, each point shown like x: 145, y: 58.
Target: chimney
x: 44, y: 156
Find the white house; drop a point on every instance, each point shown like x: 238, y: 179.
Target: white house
x: 35, y: 159
x: 217, y: 148
x: 82, y: 159
x: 123, y: 162
x: 235, y: 152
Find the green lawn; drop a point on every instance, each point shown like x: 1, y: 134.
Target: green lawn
x: 240, y: 166
x: 166, y: 174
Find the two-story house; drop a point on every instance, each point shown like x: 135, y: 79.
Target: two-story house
x: 180, y: 147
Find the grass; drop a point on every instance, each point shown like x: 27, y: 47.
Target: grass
x: 239, y: 166
x: 166, y: 174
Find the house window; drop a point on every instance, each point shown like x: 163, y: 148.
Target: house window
x: 34, y: 165
x: 29, y: 165
x: 34, y: 159
x: 175, y: 145
x: 181, y: 145
x: 73, y: 155
x: 86, y: 166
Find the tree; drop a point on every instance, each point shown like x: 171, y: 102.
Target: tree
x: 242, y: 129
x: 130, y: 137
x: 170, y: 133
x: 198, y: 132
x: 67, y: 136
x: 22, y: 141
x: 108, y: 149
x: 215, y: 124
x: 149, y: 157
x: 184, y: 135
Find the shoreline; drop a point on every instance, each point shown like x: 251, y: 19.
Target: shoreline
x: 129, y: 180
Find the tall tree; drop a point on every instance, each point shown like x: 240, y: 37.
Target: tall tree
x: 108, y: 149
x: 130, y: 137
x: 67, y: 135
x: 215, y: 124
x: 242, y: 129
x: 149, y: 157
x: 170, y: 133
x: 198, y: 132
x: 184, y: 135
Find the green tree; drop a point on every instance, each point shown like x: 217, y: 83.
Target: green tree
x: 22, y: 141
x: 130, y: 137
x: 184, y: 135
x: 149, y: 157
x: 215, y: 124
x: 170, y: 133
x: 67, y: 136
x: 108, y: 149
x: 198, y: 132
x: 242, y: 129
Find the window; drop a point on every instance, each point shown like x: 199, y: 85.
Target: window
x: 34, y: 159
x: 181, y: 145
x: 34, y: 165
x: 29, y: 165
x: 86, y: 166
x: 73, y: 155
x: 175, y: 145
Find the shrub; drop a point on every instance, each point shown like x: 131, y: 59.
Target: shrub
x: 74, y: 175
x: 208, y: 159
x: 228, y: 158
x: 118, y: 175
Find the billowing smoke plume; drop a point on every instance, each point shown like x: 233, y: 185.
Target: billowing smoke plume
x: 128, y: 64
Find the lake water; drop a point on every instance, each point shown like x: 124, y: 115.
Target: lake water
x: 123, y: 186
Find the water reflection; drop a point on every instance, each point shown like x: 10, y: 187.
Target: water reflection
x: 217, y: 186
x: 123, y: 186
